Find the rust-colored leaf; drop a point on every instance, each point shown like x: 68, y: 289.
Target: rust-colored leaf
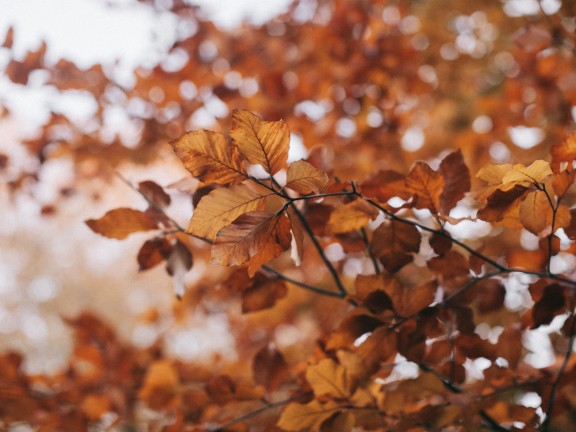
x: 153, y: 252
x: 309, y: 417
x: 210, y: 157
x: 120, y: 223
x: 221, y: 207
x: 263, y: 294
x: 269, y: 368
x: 255, y: 237
x: 566, y: 151
x: 456, y: 180
x: 385, y: 185
x: 536, y: 213
x: 297, y: 230
x: 351, y: 216
x: 261, y: 142
x: 500, y: 203
x: 426, y: 185
x: 551, y: 304
x: 177, y: 265
x: 394, y: 243
x: 351, y: 329
x: 329, y: 378
x: 562, y: 181
x: 380, y: 346
x: 305, y: 178
x: 154, y: 192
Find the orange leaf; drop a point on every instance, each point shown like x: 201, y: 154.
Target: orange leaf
x: 120, y: 223
x: 426, y: 185
x: 154, y: 192
x: 536, y: 213
x: 261, y: 142
x: 351, y: 216
x: 394, y: 242
x: 562, y: 181
x: 297, y: 236
x: 209, y: 157
x: 255, y: 237
x: 262, y: 295
x: 565, y: 152
x: 153, y: 252
x: 269, y: 368
x: 329, y: 378
x: 501, y: 202
x: 304, y: 178
x: 385, y: 185
x: 378, y: 347
x: 456, y: 178
x: 221, y: 207
x: 535, y: 173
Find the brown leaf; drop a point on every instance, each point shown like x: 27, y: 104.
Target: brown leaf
x: 304, y: 178
x: 210, y: 157
x: 221, y: 207
x: 440, y: 243
x: 385, y: 185
x: 9, y: 39
x: 160, y: 384
x: 269, y: 368
x: 177, y: 265
x: 262, y: 295
x: 426, y: 185
x: 255, y: 237
x: 351, y: 216
x: 153, y: 252
x: 120, y: 223
x: 562, y: 181
x: 536, y: 213
x: 551, y: 304
x: 533, y: 38
x: 329, y: 378
x: 452, y: 267
x: 500, y: 203
x: 351, y: 329
x: 297, y: 235
x: 394, y: 242
x: 19, y: 71
x: 456, y: 180
x: 521, y: 174
x: 261, y: 142
x: 378, y: 347
x: 570, y: 229
x: 155, y: 193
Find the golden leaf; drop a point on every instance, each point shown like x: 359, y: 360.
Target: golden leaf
x: 329, y: 378
x: 565, y: 152
x: 209, y: 157
x: 351, y: 216
x: 493, y: 174
x: 536, y: 213
x: 120, y: 223
x: 304, y: 178
x: 309, y: 417
x: 255, y: 237
x: 426, y: 185
x: 221, y: 207
x: 261, y: 142
x: 536, y: 172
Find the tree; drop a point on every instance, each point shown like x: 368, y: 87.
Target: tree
x: 436, y: 181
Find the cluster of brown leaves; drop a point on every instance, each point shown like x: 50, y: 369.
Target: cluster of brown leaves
x: 361, y: 235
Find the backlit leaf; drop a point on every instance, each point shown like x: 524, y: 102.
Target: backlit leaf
x: 535, y: 213
x: 261, y: 142
x: 426, y: 185
x: 255, y: 237
x: 493, y: 174
x: 351, y: 216
x: 304, y: 178
x: 329, y: 378
x: 210, y: 157
x: 501, y: 202
x: 394, y: 243
x: 385, y: 185
x: 120, y: 223
x: 309, y: 417
x: 221, y: 207
x: 565, y: 152
x: 456, y: 180
x: 562, y: 181
x: 536, y: 172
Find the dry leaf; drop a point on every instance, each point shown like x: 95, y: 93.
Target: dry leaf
x: 426, y: 185
x: 304, y: 178
x: 351, y: 216
x: 456, y: 180
x: 299, y: 417
x: 394, y: 243
x: 120, y: 223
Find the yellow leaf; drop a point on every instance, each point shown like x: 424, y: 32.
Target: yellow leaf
x: 329, y: 378
x: 493, y: 174
x: 351, y: 216
x: 210, y: 157
x: 261, y: 142
x: 221, y: 207
x: 255, y: 237
x: 426, y: 185
x: 536, y: 172
x: 120, y: 223
x: 304, y: 178
x: 309, y: 417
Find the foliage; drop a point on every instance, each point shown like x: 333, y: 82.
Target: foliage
x: 405, y: 256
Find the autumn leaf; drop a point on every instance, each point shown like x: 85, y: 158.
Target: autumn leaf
x: 456, y: 180
x: 385, y: 185
x: 565, y: 152
x: 536, y: 213
x: 351, y: 216
x: 330, y: 378
x: 153, y: 252
x: 426, y: 185
x: 394, y: 243
x: 210, y: 157
x: 254, y: 238
x: 304, y: 178
x: 308, y: 417
x: 269, y: 367
x: 378, y: 347
x: 155, y: 193
x: 221, y: 207
x: 263, y: 294
x: 261, y: 142
x: 297, y: 230
x: 500, y: 202
x: 562, y: 181
x: 535, y: 173
x: 120, y: 223
x: 177, y: 265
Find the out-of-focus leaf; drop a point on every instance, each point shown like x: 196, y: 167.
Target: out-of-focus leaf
x: 210, y: 157
x: 120, y: 223
x: 255, y: 237
x: 297, y: 230
x: 385, y: 185
x: 177, y: 265
x: 308, y: 417
x: 501, y: 202
x: 305, y: 178
x: 155, y: 192
x: 269, y: 368
x: 351, y: 216
x: 153, y: 252
x: 221, y: 207
x: 262, y: 295
x: 261, y: 142
x: 160, y: 384
x: 565, y: 152
x: 329, y: 378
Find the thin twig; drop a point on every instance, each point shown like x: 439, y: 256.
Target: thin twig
x: 373, y: 258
